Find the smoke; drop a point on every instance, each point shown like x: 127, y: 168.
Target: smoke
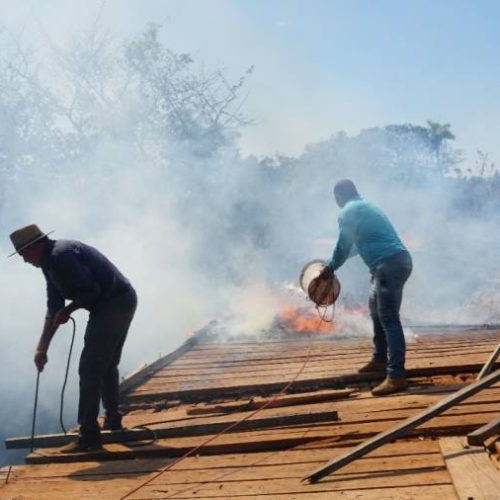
x: 95, y: 149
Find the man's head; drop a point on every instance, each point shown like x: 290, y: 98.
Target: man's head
x: 345, y: 191
x: 29, y: 242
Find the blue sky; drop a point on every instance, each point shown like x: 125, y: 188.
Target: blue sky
x: 320, y: 66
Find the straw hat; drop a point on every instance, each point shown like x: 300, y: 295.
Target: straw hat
x: 26, y: 236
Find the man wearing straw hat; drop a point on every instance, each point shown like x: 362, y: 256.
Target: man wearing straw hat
x: 84, y: 276
x: 363, y: 227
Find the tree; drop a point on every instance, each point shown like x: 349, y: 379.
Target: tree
x: 202, y: 109
x: 437, y: 134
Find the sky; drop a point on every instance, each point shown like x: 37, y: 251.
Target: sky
x: 319, y: 66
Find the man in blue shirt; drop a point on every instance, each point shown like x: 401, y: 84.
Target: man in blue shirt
x: 365, y: 229
x: 83, y: 275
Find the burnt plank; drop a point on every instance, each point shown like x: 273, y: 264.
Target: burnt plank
x: 319, y: 397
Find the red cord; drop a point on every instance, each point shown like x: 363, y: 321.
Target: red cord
x: 231, y: 426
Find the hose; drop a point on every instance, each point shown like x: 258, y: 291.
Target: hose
x: 61, y: 408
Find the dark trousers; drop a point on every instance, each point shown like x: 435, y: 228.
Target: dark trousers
x: 99, y: 378
x: 388, y: 281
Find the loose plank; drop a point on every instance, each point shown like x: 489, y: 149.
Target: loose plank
x: 479, y: 435
x: 472, y: 472
x: 403, y: 428
x: 52, y: 440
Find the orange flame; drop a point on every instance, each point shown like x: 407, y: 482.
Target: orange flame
x: 298, y: 320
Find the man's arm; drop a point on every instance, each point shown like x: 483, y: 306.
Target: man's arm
x: 55, y: 303
x: 345, y: 242
x: 62, y: 316
x: 49, y: 329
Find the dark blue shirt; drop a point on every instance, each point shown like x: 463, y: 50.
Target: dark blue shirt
x: 80, y: 273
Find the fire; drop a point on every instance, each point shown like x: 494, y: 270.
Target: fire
x: 350, y: 321
x: 300, y: 320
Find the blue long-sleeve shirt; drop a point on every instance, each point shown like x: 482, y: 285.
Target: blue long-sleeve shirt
x: 364, y: 229
x: 81, y: 273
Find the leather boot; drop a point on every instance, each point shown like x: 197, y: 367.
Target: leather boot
x: 390, y: 385
x: 373, y: 366
x: 83, y: 445
x: 112, y: 423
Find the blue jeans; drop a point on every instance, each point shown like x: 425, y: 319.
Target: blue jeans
x: 388, y: 280
x: 104, y: 337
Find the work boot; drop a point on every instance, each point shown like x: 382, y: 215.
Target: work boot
x: 374, y: 366
x: 112, y: 424
x: 390, y: 385
x: 82, y: 445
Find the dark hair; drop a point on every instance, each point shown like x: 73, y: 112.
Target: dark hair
x: 345, y: 190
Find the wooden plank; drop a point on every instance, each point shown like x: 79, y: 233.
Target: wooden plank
x: 136, y: 378
x: 52, y: 440
x: 271, y: 440
x: 165, y: 449
x: 360, y: 409
x: 358, y: 486
x: 422, y: 492
x: 393, y: 456
x: 200, y: 390
x: 489, y: 364
x: 332, y: 358
x: 289, y: 341
x: 326, y: 354
x: 203, y: 351
x: 278, y: 403
x: 111, y: 451
x: 479, y: 435
x: 403, y: 428
x: 290, y: 484
x: 247, y: 369
x: 473, y: 474
x: 323, y: 355
x: 105, y: 480
x: 358, y: 478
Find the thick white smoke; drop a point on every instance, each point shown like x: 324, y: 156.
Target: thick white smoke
x: 201, y: 232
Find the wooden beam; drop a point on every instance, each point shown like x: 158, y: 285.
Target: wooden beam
x: 489, y: 364
x: 403, y: 428
x: 477, y: 437
x: 140, y: 434
x: 289, y: 400
x: 472, y: 472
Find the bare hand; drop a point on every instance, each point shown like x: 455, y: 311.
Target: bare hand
x: 61, y: 317
x: 40, y: 360
x: 326, y: 273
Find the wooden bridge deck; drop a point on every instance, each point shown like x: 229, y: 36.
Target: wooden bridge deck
x: 198, y: 387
